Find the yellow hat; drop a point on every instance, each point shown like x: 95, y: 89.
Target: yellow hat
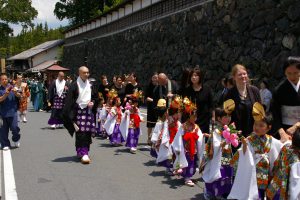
x: 258, y: 112
x: 176, y: 103
x: 112, y: 93
x: 162, y: 103
x: 229, y: 106
x: 188, y: 106
x: 137, y: 94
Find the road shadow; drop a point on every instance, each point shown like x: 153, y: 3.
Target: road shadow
x: 100, y: 137
x: 174, y: 183
x: 47, y: 128
x: 198, y: 197
x: 106, y: 145
x: 144, y: 148
x: 118, y: 151
x: 150, y: 163
x: 158, y: 173
x: 53, y: 129
x: 143, y: 144
x: 67, y: 159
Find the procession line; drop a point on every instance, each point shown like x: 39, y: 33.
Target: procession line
x: 9, y: 177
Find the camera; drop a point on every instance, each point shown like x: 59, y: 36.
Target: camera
x: 10, y: 88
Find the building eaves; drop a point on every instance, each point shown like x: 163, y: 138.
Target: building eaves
x: 36, y: 50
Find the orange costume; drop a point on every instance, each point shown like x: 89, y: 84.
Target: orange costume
x: 25, y: 93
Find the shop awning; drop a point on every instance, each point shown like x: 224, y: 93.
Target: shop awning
x: 43, y: 66
x: 56, y: 68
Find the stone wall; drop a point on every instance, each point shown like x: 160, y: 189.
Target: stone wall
x: 216, y: 35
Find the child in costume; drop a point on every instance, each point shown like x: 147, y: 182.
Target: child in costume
x: 218, y: 174
x: 188, y: 144
x: 130, y: 124
x: 173, y: 117
x: 105, y: 110
x: 255, y: 159
x: 162, y: 137
x: 160, y: 127
x: 99, y: 122
x: 112, y: 124
x: 23, y: 89
x: 285, y: 183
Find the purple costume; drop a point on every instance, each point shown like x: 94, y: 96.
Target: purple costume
x: 189, y: 171
x: 116, y: 137
x: 222, y: 186
x: 58, y: 104
x: 133, y: 137
x: 99, y: 124
x: 85, y: 122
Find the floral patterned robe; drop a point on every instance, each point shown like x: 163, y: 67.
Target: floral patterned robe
x: 281, y: 172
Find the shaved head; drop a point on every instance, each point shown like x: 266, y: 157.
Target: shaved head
x: 84, y: 73
x: 162, y: 79
x: 61, y: 76
x: 83, y: 68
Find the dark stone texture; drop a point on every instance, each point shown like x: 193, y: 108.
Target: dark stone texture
x: 215, y: 35
x: 293, y: 11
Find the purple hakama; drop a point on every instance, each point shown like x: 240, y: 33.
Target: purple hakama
x: 222, y: 186
x: 85, y: 120
x: 168, y: 164
x: 116, y: 137
x: 81, y: 151
x: 58, y: 104
x: 86, y: 125
x: 153, y: 152
x: 132, y: 137
x: 100, y: 131
x: 190, y: 170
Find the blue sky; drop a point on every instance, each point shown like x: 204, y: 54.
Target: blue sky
x: 45, y: 14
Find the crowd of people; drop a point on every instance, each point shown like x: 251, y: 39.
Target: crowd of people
x: 245, y: 142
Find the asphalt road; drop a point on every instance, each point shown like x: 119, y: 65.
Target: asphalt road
x: 46, y: 168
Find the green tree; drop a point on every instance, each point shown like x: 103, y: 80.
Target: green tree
x: 79, y: 11
x: 5, y: 31
x: 30, y: 37
x: 15, y: 12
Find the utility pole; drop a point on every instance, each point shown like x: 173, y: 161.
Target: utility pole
x: 3, y: 68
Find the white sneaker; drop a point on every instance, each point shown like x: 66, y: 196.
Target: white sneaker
x: 17, y: 144
x: 24, y: 119
x: 53, y: 126
x: 85, y: 159
x: 133, y: 150
x: 5, y: 148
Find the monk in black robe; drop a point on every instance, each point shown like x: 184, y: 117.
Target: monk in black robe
x: 79, y: 111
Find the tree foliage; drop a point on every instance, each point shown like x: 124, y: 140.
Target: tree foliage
x: 29, y: 38
x: 79, y: 11
x: 17, y: 11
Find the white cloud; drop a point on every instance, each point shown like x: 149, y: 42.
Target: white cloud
x: 45, y: 10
